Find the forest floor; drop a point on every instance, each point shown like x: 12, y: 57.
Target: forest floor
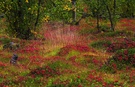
x: 72, y: 56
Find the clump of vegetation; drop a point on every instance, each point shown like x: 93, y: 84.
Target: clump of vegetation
x: 52, y: 53
x: 125, y: 56
x: 125, y: 44
x: 4, y: 40
x: 120, y: 60
x: 52, y: 69
x: 81, y: 48
x: 87, y: 31
x: 100, y: 44
x: 59, y: 65
x: 46, y: 71
x: 117, y: 33
x: 105, y: 28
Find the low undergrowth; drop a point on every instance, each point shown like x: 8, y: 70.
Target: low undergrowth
x: 65, y: 50
x: 118, y: 33
x: 100, y: 44
x: 108, y: 61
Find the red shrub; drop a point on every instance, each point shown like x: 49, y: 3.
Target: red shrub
x: 65, y: 50
x: 45, y: 71
x: 2, y: 64
x: 123, y: 45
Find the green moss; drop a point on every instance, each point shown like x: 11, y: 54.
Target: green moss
x: 72, y: 53
x: 80, y: 60
x: 52, y: 53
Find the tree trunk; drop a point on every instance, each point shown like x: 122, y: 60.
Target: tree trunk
x: 114, y: 13
x: 19, y: 20
x: 110, y: 18
x: 38, y: 14
x: 98, y: 22
x: 98, y: 16
x: 74, y: 11
x: 114, y: 8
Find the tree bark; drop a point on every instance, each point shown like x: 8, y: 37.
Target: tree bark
x: 114, y: 8
x: 74, y: 11
x: 38, y: 14
x: 110, y: 18
x: 19, y: 20
x: 98, y: 22
x: 98, y: 16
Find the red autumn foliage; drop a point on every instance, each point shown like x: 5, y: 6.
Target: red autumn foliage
x: 2, y: 64
x: 72, y: 58
x: 81, y: 48
x: 45, y: 71
x: 125, y: 57
x: 125, y: 44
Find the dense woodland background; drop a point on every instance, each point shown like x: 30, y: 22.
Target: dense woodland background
x: 25, y: 16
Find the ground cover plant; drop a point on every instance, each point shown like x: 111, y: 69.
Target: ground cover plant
x: 88, y: 44
x: 85, y: 64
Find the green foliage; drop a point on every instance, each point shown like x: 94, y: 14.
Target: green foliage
x: 70, y: 81
x: 111, y: 66
x: 5, y: 59
x: 2, y: 26
x: 59, y: 64
x: 131, y: 51
x: 112, y: 10
x: 95, y: 6
x: 1, y: 79
x: 121, y: 59
x: 22, y: 16
x: 5, y: 40
x: 62, y: 10
x: 100, y: 44
x: 72, y: 53
x: 32, y: 82
x: 87, y: 31
x: 107, y: 69
x: 105, y: 28
x: 117, y: 33
x: 113, y: 34
x: 52, y: 53
x: 128, y: 8
x: 133, y: 39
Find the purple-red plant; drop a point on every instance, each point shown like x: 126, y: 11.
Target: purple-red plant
x: 65, y: 50
x: 126, y: 44
x: 45, y: 71
x: 72, y: 58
